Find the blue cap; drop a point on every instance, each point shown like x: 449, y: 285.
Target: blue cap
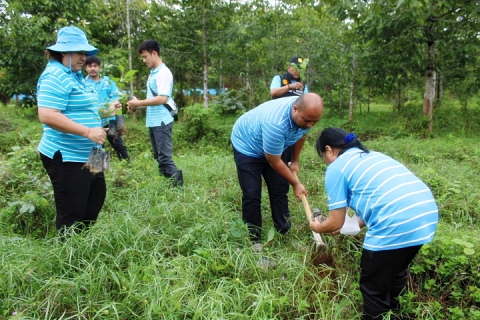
x: 72, y: 39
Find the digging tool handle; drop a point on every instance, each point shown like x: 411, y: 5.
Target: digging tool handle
x: 308, y: 212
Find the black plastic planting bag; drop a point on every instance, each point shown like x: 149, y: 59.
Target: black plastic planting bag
x: 112, y: 129
x: 98, y: 161
x: 120, y: 121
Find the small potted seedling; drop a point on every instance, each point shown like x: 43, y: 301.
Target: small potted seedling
x: 122, y: 83
x: 108, y: 112
x: 120, y: 120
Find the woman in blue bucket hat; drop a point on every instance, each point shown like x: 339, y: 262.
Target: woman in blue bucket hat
x: 68, y: 110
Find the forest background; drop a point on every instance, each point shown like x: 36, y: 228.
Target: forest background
x: 404, y: 75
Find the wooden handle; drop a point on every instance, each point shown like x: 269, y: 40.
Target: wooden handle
x: 308, y: 212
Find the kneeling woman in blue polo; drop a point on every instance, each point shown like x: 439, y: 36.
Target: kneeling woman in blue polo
x: 398, y: 209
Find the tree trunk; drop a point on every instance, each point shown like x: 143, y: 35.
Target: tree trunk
x: 340, y: 101
x: 220, y: 80
x: 368, y: 100
x: 350, y: 108
x: 340, y: 93
x: 360, y: 105
x: 352, y: 90
x: 429, y: 95
x: 204, y: 53
x: 399, y: 99
x: 439, y: 90
x: 129, y: 44
x: 248, y: 86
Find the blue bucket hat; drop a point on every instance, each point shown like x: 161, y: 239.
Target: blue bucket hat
x: 72, y: 39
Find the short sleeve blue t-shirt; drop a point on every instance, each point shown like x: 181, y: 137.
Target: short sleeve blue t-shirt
x: 269, y: 128
x: 107, y: 92
x: 161, y: 82
x: 61, y: 89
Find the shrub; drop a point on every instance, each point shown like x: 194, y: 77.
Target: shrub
x: 26, y: 201
x: 448, y: 270
x: 230, y: 103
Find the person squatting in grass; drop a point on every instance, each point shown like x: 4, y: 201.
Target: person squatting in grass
x: 68, y: 111
x: 107, y: 93
x: 259, y: 138
x: 398, y: 209
x: 159, y: 120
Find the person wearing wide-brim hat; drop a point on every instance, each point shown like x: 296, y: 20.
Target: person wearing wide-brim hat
x: 68, y: 110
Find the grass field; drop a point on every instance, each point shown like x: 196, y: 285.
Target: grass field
x: 158, y: 252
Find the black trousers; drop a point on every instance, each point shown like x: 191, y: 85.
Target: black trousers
x: 162, y: 148
x: 79, y: 194
x: 250, y: 171
x: 383, y: 277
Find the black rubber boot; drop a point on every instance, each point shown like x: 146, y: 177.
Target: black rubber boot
x: 120, y: 124
x: 396, y: 288
x: 177, y: 179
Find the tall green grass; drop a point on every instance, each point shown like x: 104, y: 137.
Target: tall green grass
x: 159, y: 252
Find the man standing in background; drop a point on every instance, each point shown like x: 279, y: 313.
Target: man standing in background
x: 159, y: 120
x: 107, y: 93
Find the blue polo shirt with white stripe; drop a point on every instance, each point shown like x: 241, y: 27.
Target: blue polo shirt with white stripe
x: 60, y: 89
x: 397, y: 207
x: 160, y: 81
x: 107, y: 93
x: 269, y: 128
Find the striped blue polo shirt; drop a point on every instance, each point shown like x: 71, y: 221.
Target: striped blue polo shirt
x: 160, y: 81
x: 397, y: 207
x: 269, y: 128
x: 60, y: 89
x: 107, y: 93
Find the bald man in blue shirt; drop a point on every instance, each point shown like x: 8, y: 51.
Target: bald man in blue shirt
x: 259, y: 137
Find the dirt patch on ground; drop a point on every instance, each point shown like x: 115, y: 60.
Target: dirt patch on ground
x: 325, y: 265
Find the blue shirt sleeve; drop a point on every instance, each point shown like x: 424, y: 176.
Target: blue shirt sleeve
x: 276, y: 83
x: 52, y: 92
x: 336, y: 185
